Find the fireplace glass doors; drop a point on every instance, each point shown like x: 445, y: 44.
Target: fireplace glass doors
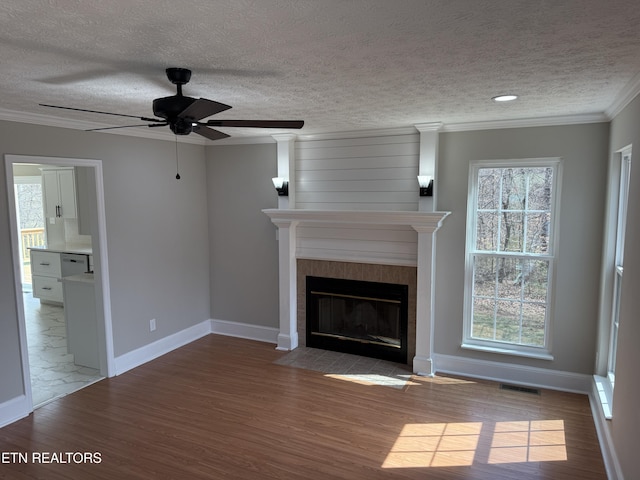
x: 363, y: 318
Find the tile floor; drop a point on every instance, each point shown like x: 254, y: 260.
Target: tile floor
x: 354, y: 368
x: 53, y: 373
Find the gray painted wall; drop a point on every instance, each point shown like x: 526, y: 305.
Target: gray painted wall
x: 584, y: 150
x: 157, y: 235
x: 625, y: 424
x: 244, y: 249
x: 186, y: 251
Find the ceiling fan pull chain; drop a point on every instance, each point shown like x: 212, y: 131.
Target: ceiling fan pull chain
x: 177, y: 169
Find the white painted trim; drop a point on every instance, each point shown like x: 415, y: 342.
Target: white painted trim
x: 139, y: 356
x: 17, y: 275
x: 509, y: 349
x: 624, y: 97
x: 381, y: 132
x: 423, y: 366
x: 420, y: 221
x: 611, y: 464
x: 50, y: 121
x: 242, y: 141
x: 349, y: 255
x: 526, y: 122
x: 627, y: 94
x: 513, y: 374
x: 105, y: 342
x: 245, y: 330
x: 14, y: 409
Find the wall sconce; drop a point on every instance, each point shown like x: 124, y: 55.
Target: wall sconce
x: 282, y: 186
x: 426, y: 185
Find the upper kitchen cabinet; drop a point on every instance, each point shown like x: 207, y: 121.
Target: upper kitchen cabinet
x: 59, y: 189
x: 86, y: 198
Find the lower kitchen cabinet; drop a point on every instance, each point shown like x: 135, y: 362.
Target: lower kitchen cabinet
x: 46, y: 272
x: 81, y: 320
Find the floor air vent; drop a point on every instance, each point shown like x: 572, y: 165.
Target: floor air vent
x: 518, y: 388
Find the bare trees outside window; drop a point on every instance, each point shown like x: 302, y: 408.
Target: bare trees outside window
x: 509, y: 252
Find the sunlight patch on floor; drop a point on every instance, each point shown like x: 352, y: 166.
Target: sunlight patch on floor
x: 421, y: 445
x: 434, y: 445
x: 375, y: 379
x: 528, y: 441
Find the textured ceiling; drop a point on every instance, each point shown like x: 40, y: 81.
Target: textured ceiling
x: 340, y: 65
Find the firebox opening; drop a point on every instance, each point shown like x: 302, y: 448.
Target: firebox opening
x: 359, y: 317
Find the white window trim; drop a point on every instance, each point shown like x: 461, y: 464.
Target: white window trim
x: 543, y: 352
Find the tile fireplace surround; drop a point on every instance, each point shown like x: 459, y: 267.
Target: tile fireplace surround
x: 326, y: 243
x: 357, y: 271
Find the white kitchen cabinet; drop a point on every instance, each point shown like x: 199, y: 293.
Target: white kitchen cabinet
x: 46, y: 272
x: 59, y: 193
x: 81, y: 321
x: 49, y: 267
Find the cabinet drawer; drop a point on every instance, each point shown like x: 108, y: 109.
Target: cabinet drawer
x: 47, y: 288
x: 45, y: 263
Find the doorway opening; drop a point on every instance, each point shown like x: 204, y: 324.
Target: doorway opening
x: 62, y: 293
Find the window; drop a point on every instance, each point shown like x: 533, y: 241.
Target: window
x: 623, y: 195
x: 511, y: 227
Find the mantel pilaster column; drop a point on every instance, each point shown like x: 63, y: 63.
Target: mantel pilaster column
x: 423, y: 360
x: 288, y: 336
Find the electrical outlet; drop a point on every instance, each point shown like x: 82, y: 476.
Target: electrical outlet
x: 152, y: 324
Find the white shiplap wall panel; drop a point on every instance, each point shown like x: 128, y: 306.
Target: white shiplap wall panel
x: 345, y: 174
x: 398, y: 207
x: 369, y: 173
x: 390, y: 173
x: 361, y: 164
x: 380, y: 244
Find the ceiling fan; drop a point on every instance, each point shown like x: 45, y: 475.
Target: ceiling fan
x: 183, y: 114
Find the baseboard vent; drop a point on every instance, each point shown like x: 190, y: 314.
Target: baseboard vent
x: 518, y: 388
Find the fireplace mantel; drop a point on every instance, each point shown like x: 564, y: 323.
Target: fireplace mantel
x: 419, y: 252
x: 422, y: 222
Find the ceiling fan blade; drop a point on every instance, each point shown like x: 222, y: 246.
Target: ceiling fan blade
x: 209, y: 133
x: 144, y: 119
x: 203, y: 108
x: 128, y: 126
x: 256, y: 123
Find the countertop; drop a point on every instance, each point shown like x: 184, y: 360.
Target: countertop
x: 80, y: 277
x: 68, y: 248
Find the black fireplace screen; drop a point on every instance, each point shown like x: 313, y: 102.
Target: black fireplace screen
x: 365, y: 318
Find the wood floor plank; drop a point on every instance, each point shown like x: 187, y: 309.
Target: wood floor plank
x: 220, y: 408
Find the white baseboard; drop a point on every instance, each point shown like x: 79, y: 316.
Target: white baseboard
x: 13, y: 410
x: 245, y: 330
x: 611, y: 464
x: 513, y: 374
x: 142, y: 355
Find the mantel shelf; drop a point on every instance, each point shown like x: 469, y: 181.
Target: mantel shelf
x: 422, y: 222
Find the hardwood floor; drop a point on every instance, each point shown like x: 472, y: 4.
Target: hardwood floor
x: 219, y: 408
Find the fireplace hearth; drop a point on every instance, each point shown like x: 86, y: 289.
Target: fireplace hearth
x: 358, y: 317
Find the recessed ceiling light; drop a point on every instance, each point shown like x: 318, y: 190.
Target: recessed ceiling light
x: 504, y: 98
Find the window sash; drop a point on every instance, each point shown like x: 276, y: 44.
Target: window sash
x: 474, y: 253
x: 618, y: 267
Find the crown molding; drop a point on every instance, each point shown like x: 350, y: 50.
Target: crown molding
x: 429, y: 127
x: 153, y: 133
x: 358, y: 133
x: 624, y: 97
x: 527, y: 122
x: 49, y: 121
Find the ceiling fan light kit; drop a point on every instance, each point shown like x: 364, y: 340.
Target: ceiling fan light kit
x: 183, y: 114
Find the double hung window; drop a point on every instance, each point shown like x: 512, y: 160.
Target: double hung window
x: 621, y: 222
x: 511, y: 231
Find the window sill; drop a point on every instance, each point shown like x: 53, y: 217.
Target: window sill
x: 543, y: 355
x: 605, y: 395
